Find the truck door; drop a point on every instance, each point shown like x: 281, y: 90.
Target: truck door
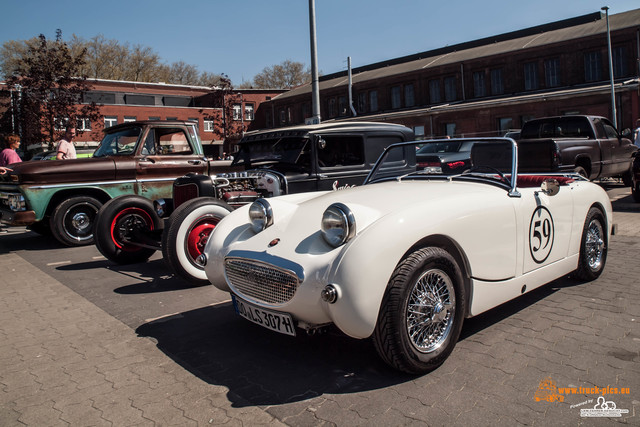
x: 615, y: 154
x: 341, y: 161
x: 165, y: 154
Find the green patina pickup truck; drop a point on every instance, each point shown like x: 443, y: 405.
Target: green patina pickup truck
x: 63, y: 196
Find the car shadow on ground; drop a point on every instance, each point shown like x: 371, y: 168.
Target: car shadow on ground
x: 261, y: 367
x: 151, y: 276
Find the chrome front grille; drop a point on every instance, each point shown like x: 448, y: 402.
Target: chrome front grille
x: 261, y: 281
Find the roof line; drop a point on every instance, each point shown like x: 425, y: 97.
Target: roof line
x: 565, y: 23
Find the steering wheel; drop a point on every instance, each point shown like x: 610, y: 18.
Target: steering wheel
x: 489, y: 168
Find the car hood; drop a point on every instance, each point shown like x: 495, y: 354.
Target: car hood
x: 61, y: 171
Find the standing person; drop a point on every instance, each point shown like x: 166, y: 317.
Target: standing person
x: 66, y: 149
x: 9, y: 155
x: 637, y: 133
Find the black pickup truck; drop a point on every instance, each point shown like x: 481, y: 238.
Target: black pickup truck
x: 588, y: 145
x: 327, y: 156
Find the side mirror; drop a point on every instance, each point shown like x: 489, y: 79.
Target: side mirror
x: 626, y: 133
x: 322, y: 144
x: 550, y: 187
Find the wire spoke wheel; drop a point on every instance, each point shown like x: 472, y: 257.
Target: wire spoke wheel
x: 430, y: 310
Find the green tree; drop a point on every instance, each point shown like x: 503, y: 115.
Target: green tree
x: 48, y: 91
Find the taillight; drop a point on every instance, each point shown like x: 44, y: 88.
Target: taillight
x: 428, y: 164
x: 455, y: 165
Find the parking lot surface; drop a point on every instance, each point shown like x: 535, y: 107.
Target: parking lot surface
x: 70, y: 354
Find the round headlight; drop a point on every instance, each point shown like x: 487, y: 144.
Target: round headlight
x: 260, y: 215
x: 338, y: 224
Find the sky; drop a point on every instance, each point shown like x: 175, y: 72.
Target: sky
x: 241, y: 38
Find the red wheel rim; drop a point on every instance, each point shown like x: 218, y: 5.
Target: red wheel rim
x: 128, y: 214
x: 199, y: 235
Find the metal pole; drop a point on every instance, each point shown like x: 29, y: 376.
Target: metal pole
x: 315, y: 88
x: 353, y: 110
x: 613, y: 92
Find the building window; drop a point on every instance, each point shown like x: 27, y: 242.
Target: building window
x: 450, y: 92
x: 237, y: 112
x: 530, y: 76
x: 497, y: 85
x: 282, y: 117
x: 249, y: 112
x: 208, y: 125
x: 479, y: 89
x: 504, y: 124
x: 418, y: 131
x: 154, y: 118
x: 289, y: 115
x: 373, y: 101
x: 128, y: 119
x: 110, y: 121
x: 172, y: 118
x: 409, y: 97
x: 332, y: 107
x: 552, y: 72
x: 450, y: 129
x: 434, y: 91
x: 83, y: 124
x: 342, y: 106
x: 592, y: 67
x: 396, y: 97
x: 362, y: 102
x: 619, y: 61
x: 306, y: 110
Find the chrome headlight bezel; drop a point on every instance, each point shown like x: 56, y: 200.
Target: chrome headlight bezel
x: 14, y: 201
x: 260, y: 215
x: 338, y: 225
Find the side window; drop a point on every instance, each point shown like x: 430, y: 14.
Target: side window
x: 172, y: 141
x: 341, y: 151
x: 149, y: 147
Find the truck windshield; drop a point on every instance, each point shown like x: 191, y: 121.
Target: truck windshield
x: 277, y: 150
x: 121, y: 143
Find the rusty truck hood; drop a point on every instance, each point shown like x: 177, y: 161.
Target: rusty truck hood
x: 62, y: 171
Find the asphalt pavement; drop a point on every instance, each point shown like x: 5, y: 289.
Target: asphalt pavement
x: 565, y: 354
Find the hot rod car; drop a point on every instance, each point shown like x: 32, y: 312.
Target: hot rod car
x: 406, y: 257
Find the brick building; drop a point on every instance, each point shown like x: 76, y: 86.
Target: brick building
x: 123, y: 101
x: 487, y: 86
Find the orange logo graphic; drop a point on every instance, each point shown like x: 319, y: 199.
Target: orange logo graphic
x: 548, y: 391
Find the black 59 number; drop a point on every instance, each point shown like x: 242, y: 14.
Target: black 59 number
x: 541, y: 234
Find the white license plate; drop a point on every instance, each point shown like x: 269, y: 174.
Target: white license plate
x: 279, y: 322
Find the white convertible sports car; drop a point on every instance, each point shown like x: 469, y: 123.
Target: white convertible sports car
x: 406, y: 257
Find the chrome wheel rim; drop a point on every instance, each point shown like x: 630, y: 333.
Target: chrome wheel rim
x: 78, y: 221
x: 430, y: 310
x: 594, y: 245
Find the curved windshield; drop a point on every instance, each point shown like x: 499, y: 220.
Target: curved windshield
x: 484, y: 158
x: 119, y: 143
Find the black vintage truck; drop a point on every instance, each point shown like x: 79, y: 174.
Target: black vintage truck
x: 269, y: 163
x: 588, y: 145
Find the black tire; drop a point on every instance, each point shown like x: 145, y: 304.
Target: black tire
x: 188, y: 231
x: 627, y: 178
x: 593, y: 246
x: 41, y: 227
x: 581, y: 171
x: 117, y: 220
x: 394, y: 343
x: 72, y: 220
x: 635, y: 192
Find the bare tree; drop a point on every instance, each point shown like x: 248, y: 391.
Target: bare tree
x: 282, y: 76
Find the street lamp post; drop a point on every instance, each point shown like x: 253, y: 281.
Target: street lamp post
x: 613, y: 92
x: 315, y: 88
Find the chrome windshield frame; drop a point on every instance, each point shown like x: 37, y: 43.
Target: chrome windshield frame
x: 513, y: 191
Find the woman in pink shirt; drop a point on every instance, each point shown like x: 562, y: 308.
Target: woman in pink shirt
x: 9, y: 155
